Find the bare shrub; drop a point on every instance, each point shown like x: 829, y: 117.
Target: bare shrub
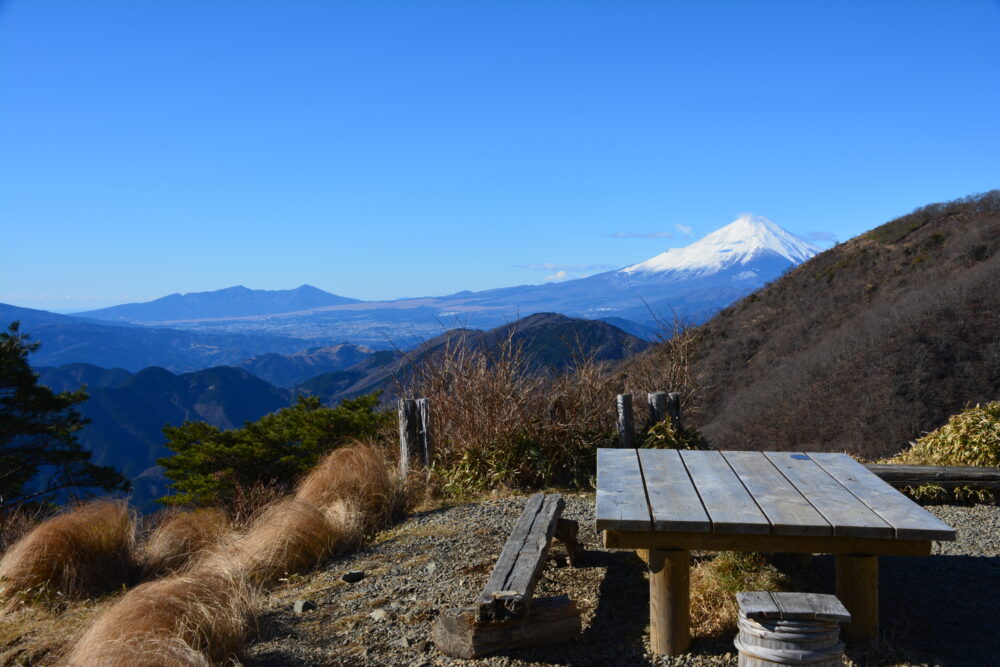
x: 360, y: 476
x: 179, y: 537
x: 16, y: 521
x: 249, y: 501
x: 500, y: 424
x: 200, y: 617
x: 82, y: 552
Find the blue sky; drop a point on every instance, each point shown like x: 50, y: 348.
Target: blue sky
x: 385, y: 149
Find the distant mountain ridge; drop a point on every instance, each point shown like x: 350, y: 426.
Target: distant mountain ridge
x: 237, y: 301
x: 288, y: 370
x: 692, y: 282
x: 65, y: 339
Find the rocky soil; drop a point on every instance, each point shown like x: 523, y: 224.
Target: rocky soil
x: 940, y: 610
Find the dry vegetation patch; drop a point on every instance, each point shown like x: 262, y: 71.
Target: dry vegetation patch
x: 179, y: 537
x: 80, y: 553
x: 209, y: 610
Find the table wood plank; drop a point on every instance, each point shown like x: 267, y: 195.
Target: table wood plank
x: 849, y: 516
x: 729, y: 505
x: 908, y: 519
x: 787, y: 510
x: 673, y: 499
x: 621, y: 498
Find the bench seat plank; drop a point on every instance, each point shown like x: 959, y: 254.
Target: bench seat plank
x: 909, y: 520
x: 621, y: 496
x: 508, y: 591
x: 788, y: 511
x: 849, y: 516
x: 729, y: 505
x: 673, y: 500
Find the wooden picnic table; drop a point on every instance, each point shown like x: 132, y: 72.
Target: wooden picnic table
x: 668, y: 502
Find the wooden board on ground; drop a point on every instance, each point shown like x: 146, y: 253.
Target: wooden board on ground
x: 551, y: 621
x: 508, y: 591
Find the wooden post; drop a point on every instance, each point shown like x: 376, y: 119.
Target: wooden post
x: 669, y: 601
x: 409, y: 437
x: 674, y: 408
x: 626, y: 423
x: 657, y: 407
x: 857, y: 588
x: 426, y: 443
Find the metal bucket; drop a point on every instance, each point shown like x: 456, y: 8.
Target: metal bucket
x: 767, y: 642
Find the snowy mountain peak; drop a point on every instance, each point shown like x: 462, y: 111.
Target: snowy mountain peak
x: 741, y: 241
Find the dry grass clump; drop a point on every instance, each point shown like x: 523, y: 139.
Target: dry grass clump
x: 715, y: 582
x: 290, y: 536
x: 360, y: 476
x: 196, y: 618
x: 80, y: 553
x: 179, y: 537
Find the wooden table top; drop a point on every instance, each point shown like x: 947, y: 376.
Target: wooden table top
x: 754, y: 493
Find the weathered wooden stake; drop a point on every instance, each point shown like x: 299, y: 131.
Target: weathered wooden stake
x: 657, y: 407
x: 674, y: 408
x: 626, y: 423
x: 409, y: 434
x: 426, y: 443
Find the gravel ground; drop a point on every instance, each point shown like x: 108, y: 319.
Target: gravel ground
x: 940, y: 610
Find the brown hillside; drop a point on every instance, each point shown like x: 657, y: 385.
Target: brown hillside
x: 868, y: 344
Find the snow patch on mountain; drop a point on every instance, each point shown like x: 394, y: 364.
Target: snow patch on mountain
x: 743, y: 240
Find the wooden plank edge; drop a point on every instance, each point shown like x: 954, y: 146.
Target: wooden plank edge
x: 625, y: 539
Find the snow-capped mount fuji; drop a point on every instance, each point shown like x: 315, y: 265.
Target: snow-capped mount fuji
x: 740, y: 244
x: 692, y: 282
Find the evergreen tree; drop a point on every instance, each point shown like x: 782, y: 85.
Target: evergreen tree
x: 39, y: 453
x: 210, y: 464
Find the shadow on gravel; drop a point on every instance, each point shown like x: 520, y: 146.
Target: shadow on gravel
x: 938, y: 610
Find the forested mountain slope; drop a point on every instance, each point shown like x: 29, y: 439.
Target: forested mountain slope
x: 865, y: 346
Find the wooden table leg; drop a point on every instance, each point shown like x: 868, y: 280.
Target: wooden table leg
x: 857, y: 589
x: 669, y: 601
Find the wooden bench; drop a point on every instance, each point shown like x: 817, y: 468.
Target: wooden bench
x: 504, y: 615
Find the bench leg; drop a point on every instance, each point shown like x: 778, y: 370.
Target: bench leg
x: 857, y: 588
x: 669, y: 601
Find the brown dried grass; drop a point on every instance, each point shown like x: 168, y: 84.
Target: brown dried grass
x: 179, y: 537
x: 82, y: 552
x: 199, y: 617
x: 715, y: 582
x: 360, y: 476
x: 291, y: 536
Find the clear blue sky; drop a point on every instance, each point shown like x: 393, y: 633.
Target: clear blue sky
x: 385, y: 149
